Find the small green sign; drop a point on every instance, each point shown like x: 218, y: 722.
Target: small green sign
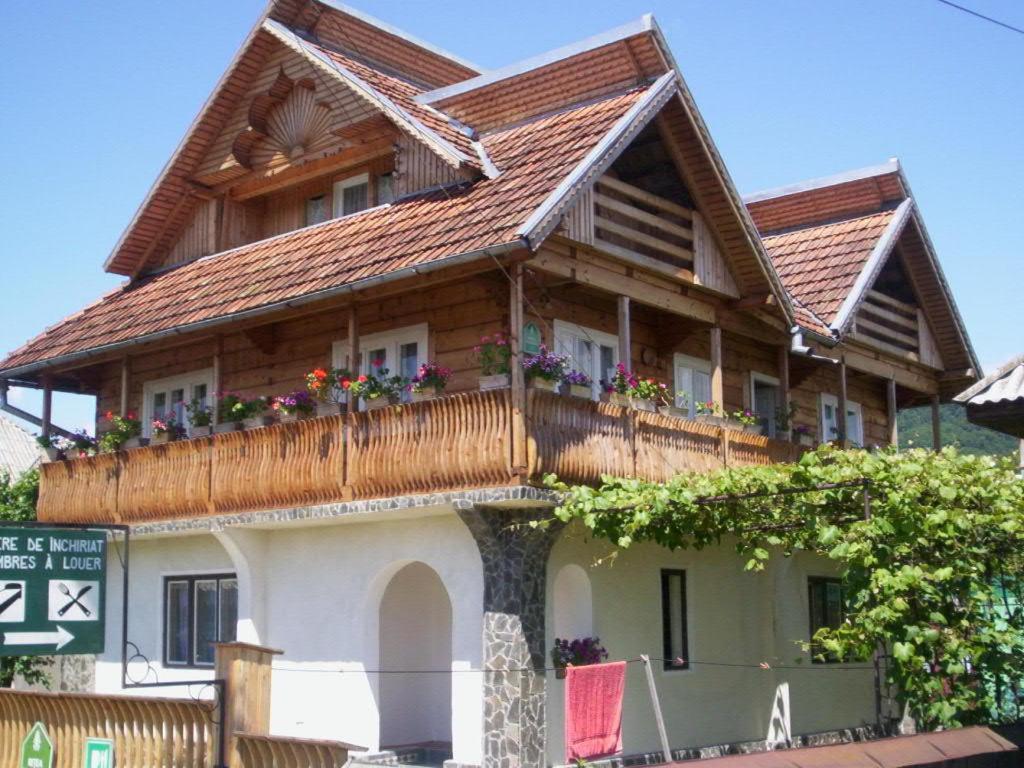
x: 37, y: 749
x: 99, y: 753
x: 52, y: 591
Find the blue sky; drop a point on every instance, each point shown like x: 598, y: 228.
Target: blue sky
x: 95, y: 96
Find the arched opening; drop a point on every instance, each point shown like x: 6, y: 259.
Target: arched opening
x: 573, y: 603
x: 415, y: 642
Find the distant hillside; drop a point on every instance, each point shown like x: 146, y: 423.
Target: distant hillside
x: 915, y: 426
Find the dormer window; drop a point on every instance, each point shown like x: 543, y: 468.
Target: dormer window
x: 351, y: 195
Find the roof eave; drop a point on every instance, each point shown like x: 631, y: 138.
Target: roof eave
x: 845, y: 177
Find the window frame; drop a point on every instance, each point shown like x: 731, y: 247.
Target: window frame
x: 185, y: 381
x: 392, y: 340
x: 695, y: 365
x: 338, y: 187
x: 564, y: 329
x: 756, y: 377
x: 666, y: 575
x: 192, y: 579
x: 812, y: 582
x: 853, y: 408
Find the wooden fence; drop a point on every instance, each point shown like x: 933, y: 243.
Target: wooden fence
x: 278, y: 752
x: 147, y: 732
x: 448, y: 444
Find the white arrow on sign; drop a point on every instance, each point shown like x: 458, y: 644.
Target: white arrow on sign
x: 60, y: 638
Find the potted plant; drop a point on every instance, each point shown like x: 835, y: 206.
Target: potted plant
x: 200, y: 418
x: 377, y: 389
x: 803, y: 435
x: 123, y: 432
x: 165, y: 429
x: 711, y: 412
x: 257, y: 413
x: 52, y: 447
x: 324, y: 386
x: 616, y: 391
x: 579, y: 384
x: 295, y: 406
x: 681, y: 411
x: 748, y: 421
x: 494, y: 355
x: 429, y: 381
x: 544, y: 370
x: 647, y: 394
x: 579, y: 652
x: 232, y: 410
x: 784, y: 420
x: 79, y: 445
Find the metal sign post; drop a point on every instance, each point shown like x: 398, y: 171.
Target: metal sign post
x: 52, y: 591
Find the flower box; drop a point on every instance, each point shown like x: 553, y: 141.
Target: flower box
x: 495, y: 381
x: 673, y: 411
x: 579, y: 390
x: 227, y: 426
x: 707, y: 418
x: 255, y: 422
x: 422, y: 397
x: 53, y: 454
x: 752, y: 429
x: 615, y: 399
x: 641, y: 404
x: 376, y: 403
x: 805, y: 439
x: 327, y: 409
x: 547, y: 385
x: 291, y: 418
x: 135, y: 442
x: 162, y: 438
x: 204, y: 431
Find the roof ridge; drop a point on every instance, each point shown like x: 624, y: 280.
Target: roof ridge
x: 892, y: 165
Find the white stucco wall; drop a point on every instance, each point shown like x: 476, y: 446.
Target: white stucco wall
x: 314, y: 592
x: 733, y: 618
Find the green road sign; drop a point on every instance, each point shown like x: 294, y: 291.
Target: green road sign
x: 52, y: 591
x: 99, y: 753
x: 37, y: 749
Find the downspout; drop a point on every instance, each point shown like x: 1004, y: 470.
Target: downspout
x: 797, y: 347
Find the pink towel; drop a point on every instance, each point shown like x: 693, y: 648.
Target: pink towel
x: 593, y: 710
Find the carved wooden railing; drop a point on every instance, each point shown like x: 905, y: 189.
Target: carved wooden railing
x: 280, y: 752
x: 147, y: 732
x: 452, y: 443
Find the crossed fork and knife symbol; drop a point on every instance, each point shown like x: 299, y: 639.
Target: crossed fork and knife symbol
x: 74, y: 599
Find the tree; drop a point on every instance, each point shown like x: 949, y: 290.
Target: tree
x: 18, y: 503
x: 932, y: 573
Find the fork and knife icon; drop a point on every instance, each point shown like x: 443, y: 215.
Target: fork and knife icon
x: 75, y: 599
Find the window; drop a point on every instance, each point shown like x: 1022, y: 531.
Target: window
x: 765, y: 400
x: 401, y: 351
x: 316, y: 210
x: 591, y: 352
x: 385, y: 189
x: 171, y: 396
x: 692, y: 382
x: 830, y: 422
x: 825, y: 601
x: 673, y: 619
x: 351, y: 195
x: 198, y: 612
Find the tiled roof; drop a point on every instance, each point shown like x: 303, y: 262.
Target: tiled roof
x: 534, y: 159
x: 819, y: 265
x: 18, y: 449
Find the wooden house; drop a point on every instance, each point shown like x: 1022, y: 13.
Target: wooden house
x: 350, y: 196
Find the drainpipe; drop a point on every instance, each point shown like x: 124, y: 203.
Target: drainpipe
x: 797, y: 347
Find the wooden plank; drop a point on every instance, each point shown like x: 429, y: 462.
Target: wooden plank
x: 125, y: 374
x: 891, y: 412
x: 841, y: 406
x: 871, y: 328
x: 671, y: 249
x: 518, y: 401
x: 625, y: 341
x: 645, y: 197
x: 625, y: 254
x: 889, y: 316
x: 637, y: 214
x: 47, y: 405
x: 865, y: 359
x: 936, y: 424
x: 354, y: 355
x: 892, y: 349
x: 717, y: 381
x: 880, y: 298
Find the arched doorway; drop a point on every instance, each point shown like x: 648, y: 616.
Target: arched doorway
x: 415, y: 643
x: 573, y: 603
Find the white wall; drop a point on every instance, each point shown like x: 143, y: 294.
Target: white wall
x: 317, y: 597
x: 733, y: 618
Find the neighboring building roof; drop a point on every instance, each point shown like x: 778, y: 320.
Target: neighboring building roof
x: 340, y: 254
x: 1005, y: 385
x: 18, y: 449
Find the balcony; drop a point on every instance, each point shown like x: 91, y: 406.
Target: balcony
x: 452, y: 443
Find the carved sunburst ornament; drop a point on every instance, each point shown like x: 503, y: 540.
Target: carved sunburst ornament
x: 287, y: 121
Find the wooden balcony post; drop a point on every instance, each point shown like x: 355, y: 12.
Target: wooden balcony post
x: 125, y: 372
x: 892, y: 412
x: 717, y: 382
x: 218, y: 349
x: 245, y: 670
x: 841, y: 406
x: 47, y: 417
x: 625, y: 338
x: 936, y: 425
x: 783, y: 384
x: 354, y: 353
x: 515, y: 321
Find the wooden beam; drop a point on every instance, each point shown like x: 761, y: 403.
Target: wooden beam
x: 47, y: 417
x: 625, y: 338
x: 218, y: 351
x: 125, y: 373
x: 936, y: 424
x: 717, y: 381
x: 783, y: 365
x: 154, y: 242
x: 754, y: 302
x: 841, y: 407
x: 354, y: 353
x: 515, y: 315
x: 891, y: 412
